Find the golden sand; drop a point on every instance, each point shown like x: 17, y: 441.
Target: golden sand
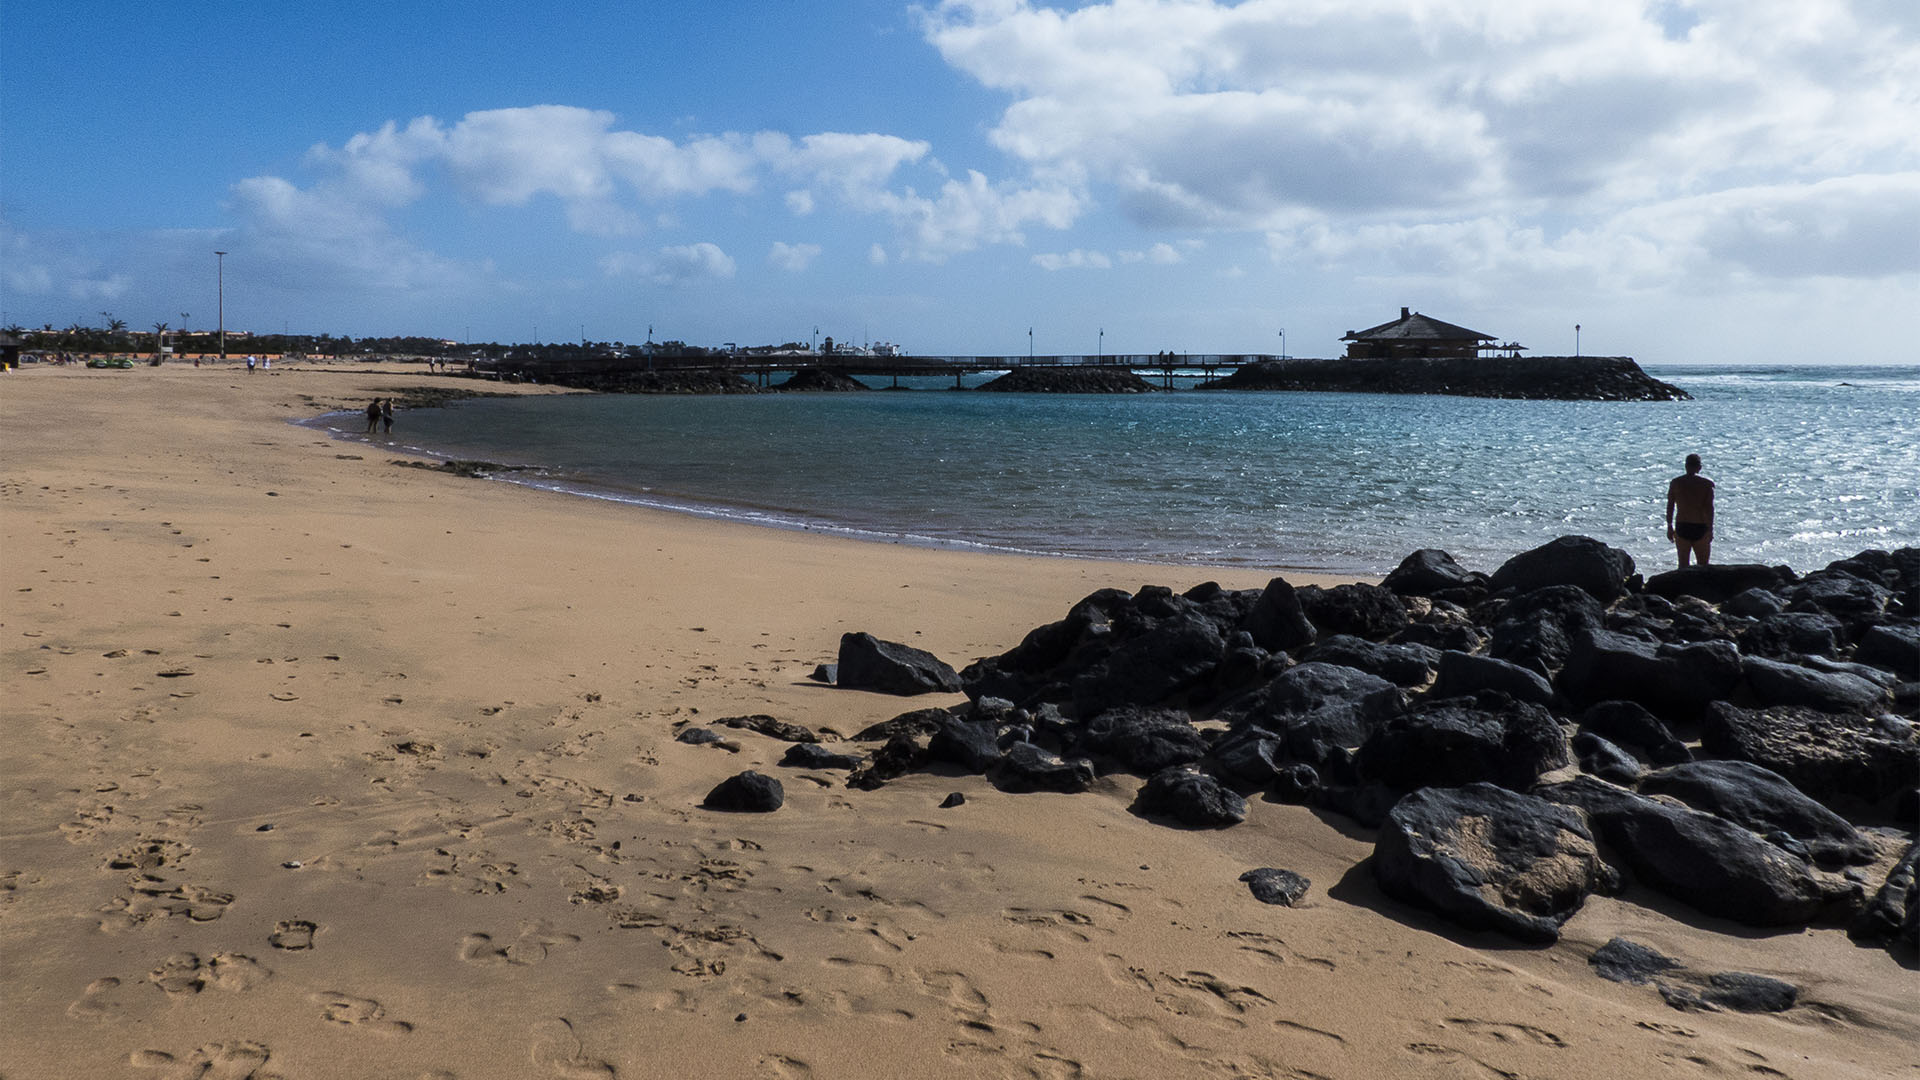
x: 317, y: 766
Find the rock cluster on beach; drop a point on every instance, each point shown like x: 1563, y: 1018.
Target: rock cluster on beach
x: 1565, y: 378
x: 1740, y: 739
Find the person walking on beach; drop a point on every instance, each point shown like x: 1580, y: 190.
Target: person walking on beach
x: 373, y: 415
x: 386, y: 415
x: 1690, y: 513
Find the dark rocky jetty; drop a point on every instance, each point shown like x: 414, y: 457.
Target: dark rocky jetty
x: 1520, y: 739
x: 628, y: 381
x: 1070, y: 380
x: 1561, y: 378
x: 816, y: 380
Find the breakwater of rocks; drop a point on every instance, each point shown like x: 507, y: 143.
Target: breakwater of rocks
x: 1559, y: 378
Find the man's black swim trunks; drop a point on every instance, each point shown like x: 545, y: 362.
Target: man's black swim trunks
x: 1690, y: 530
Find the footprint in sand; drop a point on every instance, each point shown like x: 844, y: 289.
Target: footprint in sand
x: 358, y: 1012
x: 782, y: 1067
x: 187, y: 973
x: 1501, y: 1031
x: 102, y: 1000
x: 535, y: 941
x: 557, y: 1049
x: 293, y: 935
x: 236, y: 1060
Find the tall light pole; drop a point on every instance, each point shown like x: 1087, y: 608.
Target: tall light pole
x: 220, y: 269
x: 1029, y: 344
x: 1576, y: 339
x: 1101, y: 355
x: 1283, y: 343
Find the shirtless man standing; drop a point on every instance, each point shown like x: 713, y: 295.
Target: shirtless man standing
x: 1690, y: 513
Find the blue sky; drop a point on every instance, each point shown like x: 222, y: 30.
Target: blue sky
x: 1710, y: 181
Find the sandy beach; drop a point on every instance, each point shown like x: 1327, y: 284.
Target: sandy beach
x: 319, y: 765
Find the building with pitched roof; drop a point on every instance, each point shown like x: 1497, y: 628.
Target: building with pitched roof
x: 1416, y: 335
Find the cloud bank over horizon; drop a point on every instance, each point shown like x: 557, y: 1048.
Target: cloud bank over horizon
x: 1510, y: 153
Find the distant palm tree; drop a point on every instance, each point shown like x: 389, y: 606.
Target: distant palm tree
x: 159, y: 337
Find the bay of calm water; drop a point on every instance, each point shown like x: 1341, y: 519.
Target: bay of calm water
x: 1812, y: 464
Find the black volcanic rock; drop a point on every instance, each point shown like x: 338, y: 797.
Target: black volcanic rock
x: 1272, y: 885
x: 1451, y: 741
x: 1676, y: 682
x: 1894, y: 912
x: 1706, y: 861
x: 1363, y: 611
x: 1719, y: 582
x: 1536, y: 629
x: 1830, y: 756
x: 1771, y: 682
x: 1464, y: 674
x: 1193, y: 798
x: 748, y: 792
x: 1570, y: 560
x: 1490, y: 859
x: 1763, y: 802
x: 1430, y: 571
x: 1278, y: 621
x: 1630, y: 723
x: 868, y: 663
x: 1402, y: 665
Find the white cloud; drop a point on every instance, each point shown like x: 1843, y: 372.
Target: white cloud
x: 1162, y: 254
x: 1478, y: 131
x: 675, y: 265
x: 793, y: 257
x: 877, y: 255
x: 800, y: 202
x: 1073, y: 260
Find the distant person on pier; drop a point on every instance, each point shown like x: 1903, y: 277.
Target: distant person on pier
x: 1690, y: 513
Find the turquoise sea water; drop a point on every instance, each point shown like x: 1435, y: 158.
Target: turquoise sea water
x: 1812, y: 464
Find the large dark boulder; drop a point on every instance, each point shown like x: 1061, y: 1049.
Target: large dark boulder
x: 1830, y: 756
x: 1463, y: 674
x: 971, y: 744
x: 1605, y: 760
x: 1026, y: 767
x: 1771, y: 682
x: 1762, y: 801
x: 1490, y: 859
x: 1144, y: 740
x: 1251, y: 756
x: 1448, y: 742
x: 1150, y: 668
x: 1277, y: 621
x: 1719, y: 582
x: 1790, y: 634
x: 1191, y: 798
x: 868, y: 663
x: 748, y: 792
x: 1570, y: 560
x: 1855, y: 601
x: 1675, y: 682
x: 1537, y: 629
x: 899, y: 756
x: 1894, y: 912
x: 1430, y: 572
x: 1317, y: 709
x: 1402, y: 665
x: 1362, y: 611
x: 1630, y: 724
x: 1705, y: 861
x: 1892, y: 648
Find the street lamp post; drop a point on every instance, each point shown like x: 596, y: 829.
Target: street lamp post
x: 1101, y: 354
x: 220, y: 270
x: 1283, y: 343
x: 1576, y: 339
x: 1029, y: 344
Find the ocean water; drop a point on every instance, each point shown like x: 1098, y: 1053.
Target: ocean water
x: 1812, y: 464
